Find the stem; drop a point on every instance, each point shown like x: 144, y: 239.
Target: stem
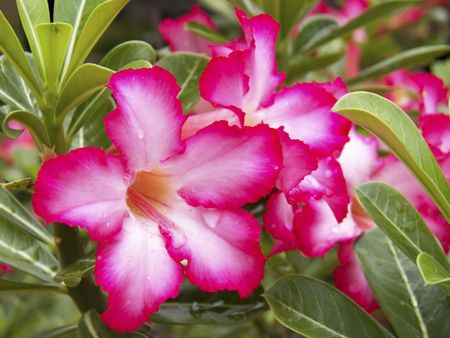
x: 86, y: 295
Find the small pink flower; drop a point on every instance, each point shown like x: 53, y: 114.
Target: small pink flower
x: 7, y: 146
x: 180, y: 39
x: 165, y: 207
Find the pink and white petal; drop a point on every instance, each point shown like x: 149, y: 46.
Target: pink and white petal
x: 280, y: 246
x: 298, y: 162
x: 227, y: 48
x: 227, y: 167
x: 327, y: 182
x: 278, y: 219
x: 318, y: 231
x: 350, y: 279
x: 146, y: 125
x: 195, y: 122
x: 136, y: 270
x: 221, y: 247
x: 359, y: 159
x: 436, y: 131
x: 437, y: 224
x: 337, y: 88
x: 432, y: 92
x: 179, y: 38
x: 304, y: 111
x: 84, y: 188
x: 223, y: 82
x: 261, y: 33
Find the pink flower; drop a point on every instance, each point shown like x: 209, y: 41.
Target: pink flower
x: 165, y: 206
x: 5, y: 269
x: 242, y: 81
x: 7, y: 146
x: 180, y: 39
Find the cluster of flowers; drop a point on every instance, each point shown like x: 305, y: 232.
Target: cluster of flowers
x: 167, y: 201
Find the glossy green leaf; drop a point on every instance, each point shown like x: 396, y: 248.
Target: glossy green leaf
x: 432, y: 272
x: 287, y: 12
x: 205, y: 32
x: 54, y: 39
x: 30, y: 121
x: 315, y: 309
x: 13, y: 90
x: 71, y: 275
x: 380, y: 10
x: 193, y: 306
x: 84, y: 82
x: 387, y: 121
x: 15, y: 212
x: 413, y: 309
x: 7, y: 286
x: 23, y: 251
x: 32, y: 13
x: 89, y: 25
x: 399, y: 220
x: 25, y: 184
x: 127, y: 52
x: 10, y: 46
x: 187, y: 68
x: 313, y: 29
x: 91, y: 326
x: 413, y: 57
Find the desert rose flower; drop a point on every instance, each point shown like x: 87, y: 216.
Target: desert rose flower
x: 7, y: 146
x: 179, y: 38
x: 165, y: 207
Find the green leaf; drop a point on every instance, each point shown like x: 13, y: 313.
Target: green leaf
x: 91, y: 326
x: 187, y: 68
x: 58, y: 332
x: 32, y: 13
x: 315, y: 309
x: 23, y: 251
x: 13, y: 90
x: 7, y: 286
x: 313, y: 29
x: 90, y: 20
x: 84, y: 82
x: 399, y: 220
x: 193, y: 306
x: 413, y: 57
x: 127, y: 52
x: 413, y: 309
x: 387, y: 121
x: 205, y: 32
x: 432, y: 272
x: 25, y: 184
x: 300, y: 66
x: 54, y: 39
x: 29, y: 120
x: 71, y: 275
x: 380, y: 10
x: 10, y: 46
x: 287, y: 12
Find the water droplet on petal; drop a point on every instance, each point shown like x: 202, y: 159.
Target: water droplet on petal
x: 140, y: 133
x: 99, y: 258
x: 178, y: 239
x: 328, y: 173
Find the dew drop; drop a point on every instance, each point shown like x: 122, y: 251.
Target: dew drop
x: 148, y: 277
x: 140, y: 133
x: 99, y: 258
x: 328, y: 173
x: 108, y: 224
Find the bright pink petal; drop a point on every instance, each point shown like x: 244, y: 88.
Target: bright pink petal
x: 436, y: 130
x: 223, y: 82
x: 136, y: 270
x: 227, y: 48
x: 432, y: 92
x: 179, y: 38
x: 221, y: 248
x: 279, y: 218
x: 84, y: 188
x: 359, y: 159
x: 195, y: 122
x: 350, y: 279
x: 146, y: 126
x: 261, y: 33
x: 318, y: 231
x: 227, y: 167
x: 437, y: 224
x: 337, y: 88
x: 298, y: 162
x: 326, y: 182
x: 304, y: 112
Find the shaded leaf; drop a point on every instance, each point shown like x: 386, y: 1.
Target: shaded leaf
x: 58, y: 332
x: 313, y: 29
x: 432, y: 272
x: 7, y: 286
x: 127, y: 52
x: 187, y: 68
x: 300, y: 66
x: 25, y: 184
x: 205, y: 32
x: 71, y: 275
x: 315, y: 309
x: 413, y: 309
x: 394, y: 127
